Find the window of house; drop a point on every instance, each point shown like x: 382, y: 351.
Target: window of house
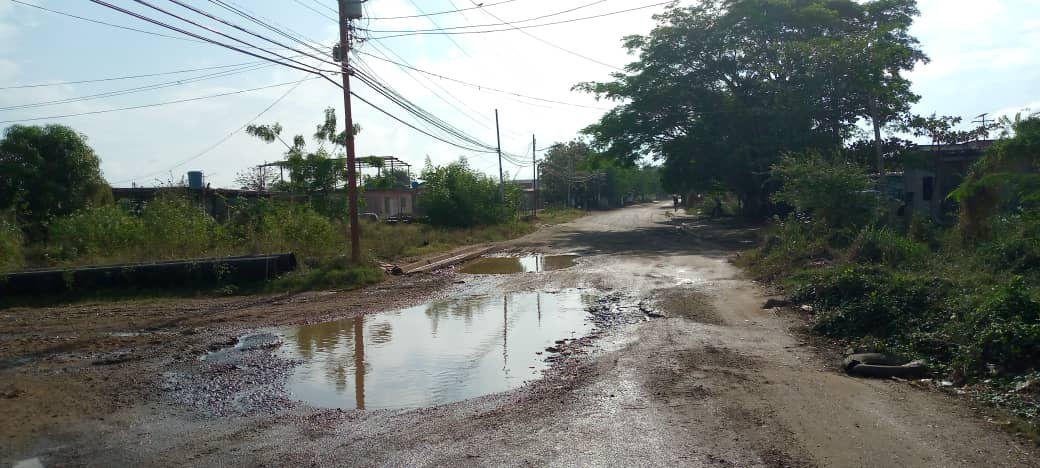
x: 927, y: 187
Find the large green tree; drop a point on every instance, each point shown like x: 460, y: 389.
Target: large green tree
x: 721, y: 90
x: 48, y: 171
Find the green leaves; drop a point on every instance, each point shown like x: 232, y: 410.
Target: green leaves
x: 457, y: 196
x: 832, y: 191
x: 723, y: 88
x: 47, y: 171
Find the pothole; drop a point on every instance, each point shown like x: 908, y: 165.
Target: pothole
x: 436, y: 353
x: 521, y: 264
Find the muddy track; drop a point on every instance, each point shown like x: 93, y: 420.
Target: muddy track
x: 716, y: 381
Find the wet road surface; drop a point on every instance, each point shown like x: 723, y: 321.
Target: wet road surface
x: 715, y: 381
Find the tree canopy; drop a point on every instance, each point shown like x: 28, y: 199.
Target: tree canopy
x: 455, y: 195
x: 48, y: 171
x: 722, y: 89
x: 316, y: 173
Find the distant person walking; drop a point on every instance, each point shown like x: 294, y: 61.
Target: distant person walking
x: 675, y: 203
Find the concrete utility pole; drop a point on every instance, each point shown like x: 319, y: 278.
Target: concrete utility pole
x: 350, y: 10
x: 501, y: 176
x: 534, y: 169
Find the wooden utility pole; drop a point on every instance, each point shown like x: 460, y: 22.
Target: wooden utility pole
x: 501, y: 176
x: 534, y: 169
x: 346, y: 14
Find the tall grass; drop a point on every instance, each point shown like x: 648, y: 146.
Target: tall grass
x: 176, y: 228
x: 11, y: 257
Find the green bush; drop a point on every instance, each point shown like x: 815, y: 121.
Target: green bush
x: 788, y: 245
x: 11, y: 257
x: 858, y: 301
x: 176, y: 228
x: 167, y: 228
x: 1014, y: 244
x: 458, y: 196
x: 300, y: 229
x: 1004, y: 331
x: 829, y: 188
x: 95, y: 233
x: 885, y: 247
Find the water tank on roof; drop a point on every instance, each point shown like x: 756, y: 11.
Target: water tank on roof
x: 195, y: 180
x: 352, y: 8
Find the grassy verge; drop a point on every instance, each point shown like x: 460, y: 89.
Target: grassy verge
x: 918, y: 292
x: 112, y: 236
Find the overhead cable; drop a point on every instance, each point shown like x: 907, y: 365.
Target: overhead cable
x: 532, y: 36
x: 139, y: 89
x: 222, y: 140
x: 128, y: 77
x: 457, y: 10
x: 434, y: 23
x: 166, y: 103
x: 471, y: 25
x: 477, y: 86
x: 512, y: 26
x: 306, y: 68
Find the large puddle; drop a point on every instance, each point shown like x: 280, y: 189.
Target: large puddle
x: 433, y: 354
x: 513, y: 265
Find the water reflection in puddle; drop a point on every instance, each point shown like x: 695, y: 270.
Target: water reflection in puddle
x: 512, y: 265
x: 432, y: 354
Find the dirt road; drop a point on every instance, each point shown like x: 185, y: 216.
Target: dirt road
x: 717, y: 381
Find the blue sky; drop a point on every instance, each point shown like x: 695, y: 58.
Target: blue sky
x: 985, y: 59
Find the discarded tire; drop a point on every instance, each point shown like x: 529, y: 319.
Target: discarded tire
x: 883, y: 366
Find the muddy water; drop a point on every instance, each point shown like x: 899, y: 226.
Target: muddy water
x: 433, y: 354
x: 512, y: 265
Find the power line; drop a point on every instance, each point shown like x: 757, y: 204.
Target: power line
x: 139, y: 88
x: 434, y: 23
x: 532, y: 36
x: 263, y: 22
x: 106, y: 24
x: 323, y: 15
x: 419, y: 112
x: 587, y: 5
x: 513, y: 27
x: 129, y: 77
x: 316, y: 2
x: 412, y: 126
x: 457, y: 10
x: 479, y: 86
x: 426, y: 116
x: 222, y: 140
x: 240, y: 41
x: 158, y: 104
x: 117, y: 26
x: 414, y: 77
x: 307, y: 68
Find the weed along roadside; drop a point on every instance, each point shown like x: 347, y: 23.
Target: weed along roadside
x: 960, y: 298
x: 397, y: 243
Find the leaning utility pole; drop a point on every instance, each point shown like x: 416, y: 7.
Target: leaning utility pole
x: 501, y: 177
x: 534, y: 169
x: 350, y: 10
